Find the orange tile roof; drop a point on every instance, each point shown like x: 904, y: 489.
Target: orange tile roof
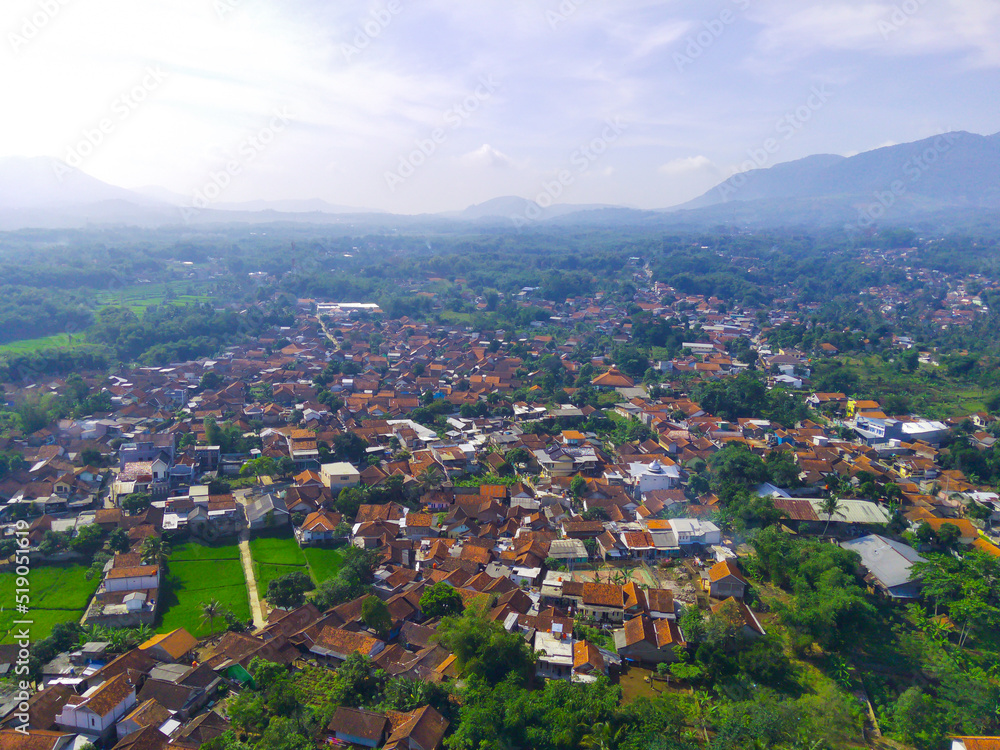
x: 603, y: 594
x: 964, y: 526
x: 587, y: 655
x: 988, y: 547
x: 979, y: 743
x: 724, y: 569
x: 176, y: 643
x: 109, y: 695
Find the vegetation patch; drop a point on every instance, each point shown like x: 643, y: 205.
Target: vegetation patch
x: 58, y: 594
x: 190, y: 584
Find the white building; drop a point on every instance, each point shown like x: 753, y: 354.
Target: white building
x: 654, y: 476
x: 555, y: 655
x: 96, y: 712
x: 140, y: 578
x: 695, y: 531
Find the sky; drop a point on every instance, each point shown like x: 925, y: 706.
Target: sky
x: 416, y: 106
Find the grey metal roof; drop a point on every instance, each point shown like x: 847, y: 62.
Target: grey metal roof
x: 889, y: 561
x: 263, y: 505
x: 853, y: 511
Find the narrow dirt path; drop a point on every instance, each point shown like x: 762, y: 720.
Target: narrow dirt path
x: 247, y: 560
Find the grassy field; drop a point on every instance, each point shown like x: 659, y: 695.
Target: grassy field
x: 277, y: 550
x: 193, y: 551
x: 139, y: 297
x: 58, y: 594
x: 56, y: 341
x: 275, y: 556
x: 196, y: 574
x: 323, y: 562
x: 450, y: 316
x: 929, y: 391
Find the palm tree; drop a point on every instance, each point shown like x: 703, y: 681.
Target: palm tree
x: 154, y: 550
x: 601, y: 737
x: 830, y: 506
x: 622, y: 576
x: 209, y: 611
x: 430, y: 478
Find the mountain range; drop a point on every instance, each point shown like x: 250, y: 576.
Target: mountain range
x: 955, y: 173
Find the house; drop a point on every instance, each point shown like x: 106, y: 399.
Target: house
x: 750, y: 626
x: 338, y: 476
x: 266, y: 512
x: 555, y: 655
x: 967, y: 532
x: 653, y: 476
x: 335, y: 644
x: 555, y: 462
x: 148, y: 713
x: 35, y: 739
x: 692, y: 531
x: 888, y: 565
x: 201, y: 729
x: 639, y: 545
x: 170, y: 647
x: 975, y: 743
x: 134, y: 578
x: 422, y: 729
x: 148, y: 738
x: 418, y: 525
x: 602, y: 602
x: 568, y: 551
x: 96, y: 712
x: 648, y: 641
x: 660, y: 604
x: 357, y: 727
x: 591, y: 662
x: 613, y: 378
x: 319, y: 527
x: 724, y: 580
x: 180, y: 688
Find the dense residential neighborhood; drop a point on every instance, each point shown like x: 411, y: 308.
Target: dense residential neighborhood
x: 610, y: 522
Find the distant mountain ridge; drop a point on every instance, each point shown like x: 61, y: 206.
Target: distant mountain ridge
x: 37, y: 182
x: 949, y: 176
x: 952, y: 169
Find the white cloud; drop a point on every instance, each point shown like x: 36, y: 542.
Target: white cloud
x: 686, y: 165
x: 793, y: 29
x: 355, y: 115
x: 486, y: 156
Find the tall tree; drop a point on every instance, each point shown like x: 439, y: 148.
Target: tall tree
x: 209, y: 611
x: 154, y: 550
x: 830, y: 506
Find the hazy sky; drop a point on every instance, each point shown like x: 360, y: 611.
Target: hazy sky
x: 427, y: 105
